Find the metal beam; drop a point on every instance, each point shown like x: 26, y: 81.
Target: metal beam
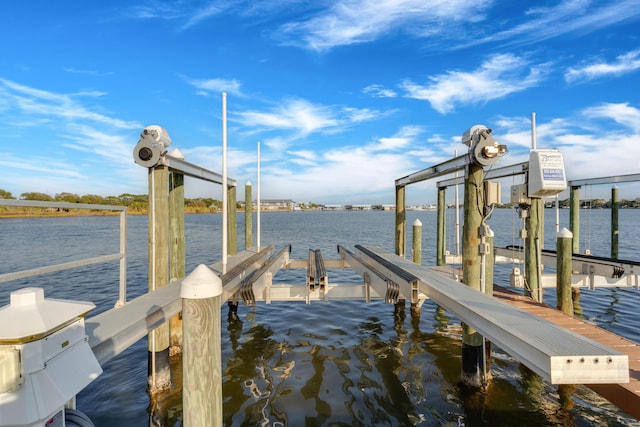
x: 444, y: 168
x: 493, y: 173
x: 604, y: 180
x: 556, y: 354
x: 60, y: 205
x: 195, y: 171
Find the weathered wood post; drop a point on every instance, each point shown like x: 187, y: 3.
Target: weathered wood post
x: 490, y: 263
x: 232, y: 221
x: 534, y: 225
x: 401, y: 221
x: 473, y: 360
x: 248, y: 216
x: 564, y: 301
x: 159, y: 370
x: 416, y: 253
x: 176, y: 251
x: 440, y: 239
x: 574, y: 218
x: 416, y: 256
x: 615, y: 205
x: 201, y: 294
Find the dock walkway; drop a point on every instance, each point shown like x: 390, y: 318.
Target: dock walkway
x: 626, y: 396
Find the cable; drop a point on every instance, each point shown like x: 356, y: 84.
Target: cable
x: 75, y: 418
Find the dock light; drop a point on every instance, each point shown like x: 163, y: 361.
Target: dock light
x: 483, y: 148
x: 152, y: 145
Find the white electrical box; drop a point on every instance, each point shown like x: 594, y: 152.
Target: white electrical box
x: 45, y: 356
x: 519, y: 195
x: 491, y: 193
x: 546, y: 173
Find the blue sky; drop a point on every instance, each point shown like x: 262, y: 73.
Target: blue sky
x: 344, y: 96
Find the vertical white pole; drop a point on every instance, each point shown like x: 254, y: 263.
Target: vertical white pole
x: 534, y: 142
x: 224, y: 183
x: 557, y: 214
x: 457, y: 216
x: 258, y: 203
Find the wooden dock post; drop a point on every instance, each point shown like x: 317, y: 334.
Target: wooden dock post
x: 401, y: 220
x: 564, y: 301
x: 159, y: 370
x: 615, y: 205
x: 440, y: 240
x: 232, y: 221
x: 201, y: 292
x: 177, y: 257
x: 416, y: 256
x: 473, y: 357
x: 248, y: 216
x: 574, y: 218
x: 534, y: 225
x: 416, y: 253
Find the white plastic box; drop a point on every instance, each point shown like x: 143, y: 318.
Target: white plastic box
x: 546, y: 173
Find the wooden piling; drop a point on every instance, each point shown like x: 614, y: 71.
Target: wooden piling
x: 534, y: 225
x: 232, y: 221
x: 564, y: 301
x: 201, y: 292
x: 473, y: 357
x: 401, y: 221
x: 159, y: 371
x: 177, y: 257
x: 248, y: 217
x: 441, y: 237
x: 615, y: 205
x: 416, y: 254
x: 574, y: 218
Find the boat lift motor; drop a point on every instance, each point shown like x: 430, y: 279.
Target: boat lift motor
x: 45, y: 359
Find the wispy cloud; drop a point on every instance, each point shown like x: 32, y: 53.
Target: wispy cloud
x: 378, y: 91
x: 303, y: 117
x: 216, y: 86
x: 623, y: 64
x: 359, y: 21
x: 575, y: 17
x: 622, y: 113
x: 497, y: 77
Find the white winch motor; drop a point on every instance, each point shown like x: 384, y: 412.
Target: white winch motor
x: 45, y: 358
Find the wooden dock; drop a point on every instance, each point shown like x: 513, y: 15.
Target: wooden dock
x: 626, y: 396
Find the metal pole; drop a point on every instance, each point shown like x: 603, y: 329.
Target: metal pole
x: 248, y: 216
x: 440, y: 238
x: 615, y: 205
x: 224, y: 183
x: 457, y: 231
x: 201, y: 293
x: 564, y: 300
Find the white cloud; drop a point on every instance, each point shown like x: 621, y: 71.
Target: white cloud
x: 497, y: 77
x: 626, y: 63
x: 622, y: 114
x: 359, y: 21
x: 377, y: 91
x: 216, y: 86
x: 574, y: 17
x: 303, y: 117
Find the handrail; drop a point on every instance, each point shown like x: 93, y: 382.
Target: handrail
x: 122, y: 255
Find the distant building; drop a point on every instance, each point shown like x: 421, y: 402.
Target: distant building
x: 277, y: 205
x: 332, y: 207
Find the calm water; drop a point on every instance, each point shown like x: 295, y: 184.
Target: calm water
x: 323, y: 364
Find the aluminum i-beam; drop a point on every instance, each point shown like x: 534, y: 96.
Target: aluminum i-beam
x: 195, y: 171
x: 492, y: 173
x: 556, y: 354
x: 444, y: 168
x: 587, y: 265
